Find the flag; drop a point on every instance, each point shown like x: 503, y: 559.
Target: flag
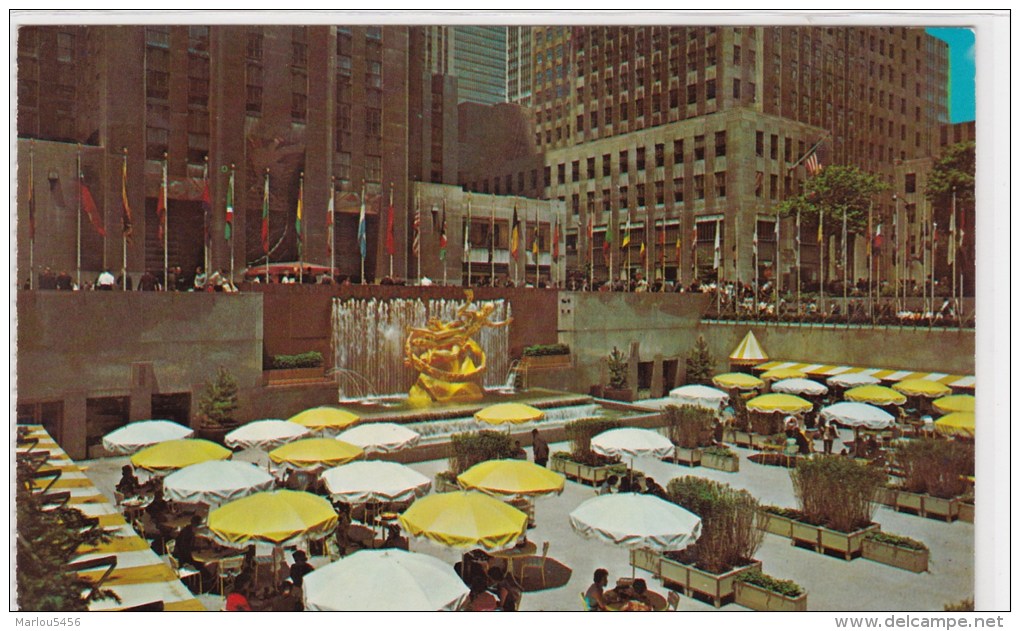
x: 442, y: 235
x: 608, y: 243
x: 391, y: 242
x: 758, y: 179
x: 662, y: 243
x: 89, y: 206
x: 515, y: 235
x: 161, y: 203
x: 492, y: 238
x: 206, y: 208
x: 300, y: 212
x: 718, y: 248
x: 265, y: 214
x: 467, y: 230
x: 362, y: 240
x: 534, y: 240
x: 228, y: 225
x: 626, y: 237
x: 812, y: 164
x: 754, y: 241
x: 329, y: 219
x: 641, y: 252
x: 556, y: 240
x: 591, y: 237
x: 679, y: 248
x: 416, y: 237
x: 126, y: 207
x: 951, y: 243
x: 878, y: 237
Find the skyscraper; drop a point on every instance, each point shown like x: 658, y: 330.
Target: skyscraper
x: 479, y: 63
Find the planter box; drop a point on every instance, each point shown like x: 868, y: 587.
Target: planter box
x: 618, y: 394
x: 905, y: 558
x: 966, y: 512
x: 777, y: 524
x: 290, y: 375
x: 729, y: 435
x: 821, y: 539
x: 928, y: 506
x: 689, y: 457
x: 546, y: 361
x: 742, y: 439
x: 581, y: 472
x: 716, y: 587
x: 720, y: 463
x: 761, y: 599
x: 886, y: 496
x: 646, y: 560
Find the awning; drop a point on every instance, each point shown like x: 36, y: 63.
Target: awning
x: 748, y: 352
x: 885, y: 374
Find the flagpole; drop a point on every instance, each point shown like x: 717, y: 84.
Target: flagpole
x: 846, y: 313
x: 896, y: 250
x: 123, y: 237
x: 265, y: 212
x: 467, y: 239
x: 417, y: 198
x: 31, y: 211
x: 821, y: 260
x: 776, y: 267
x: 166, y: 221
x: 871, y: 260
x: 78, y: 264
x: 934, y: 236
x: 301, y: 231
x: 591, y: 250
x: 205, y: 218
x: 361, y: 235
x: 952, y: 244
x: 492, y: 246
x: 798, y: 260
x: 755, y: 271
x: 538, y: 253
x: 332, y: 228
x: 232, y: 221
x: 389, y: 220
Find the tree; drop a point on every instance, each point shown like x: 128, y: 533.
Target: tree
x: 835, y: 189
x: 699, y: 362
x: 954, y: 170
x: 218, y: 402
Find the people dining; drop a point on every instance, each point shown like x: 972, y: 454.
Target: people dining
x: 594, y: 597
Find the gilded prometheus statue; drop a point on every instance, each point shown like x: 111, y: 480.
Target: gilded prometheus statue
x: 450, y: 364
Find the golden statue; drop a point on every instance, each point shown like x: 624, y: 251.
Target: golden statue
x: 449, y: 362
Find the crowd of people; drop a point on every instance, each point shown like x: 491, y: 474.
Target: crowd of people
x: 175, y: 280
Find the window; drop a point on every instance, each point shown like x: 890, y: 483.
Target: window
x: 699, y: 187
x: 710, y: 89
x: 198, y: 39
x: 720, y: 144
x: 561, y: 173
x: 299, y: 96
x: 373, y: 120
x: 373, y: 75
x: 607, y: 164
x: 640, y: 158
x: 787, y: 149
x: 591, y: 168
x: 692, y: 94
x: 343, y: 116
x: 373, y: 33
x: 910, y: 183
x: 674, y: 98
x: 736, y: 89
x: 759, y: 144
x: 720, y: 184
x: 624, y: 162
x: 575, y: 171
x: 575, y: 203
x: 299, y: 47
x: 624, y: 114
x: 253, y: 50
x: 623, y: 197
x: 198, y: 80
x: 593, y: 120
x: 641, y: 195
x: 253, y: 89
x: 773, y: 146
x: 660, y: 155
x: 699, y: 147
x: 343, y: 68
x: 773, y: 186
x: 373, y: 168
x: 678, y: 152
x: 520, y: 181
x: 157, y: 140
x: 660, y: 193
x: 157, y: 36
x: 759, y: 183
x: 736, y: 55
x: 546, y: 177
x: 157, y: 75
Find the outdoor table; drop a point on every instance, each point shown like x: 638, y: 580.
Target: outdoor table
x: 133, y: 506
x: 615, y: 602
x: 529, y: 548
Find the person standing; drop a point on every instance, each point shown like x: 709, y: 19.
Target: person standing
x: 540, y: 448
x: 828, y: 437
x: 594, y: 597
x: 64, y: 281
x: 106, y: 281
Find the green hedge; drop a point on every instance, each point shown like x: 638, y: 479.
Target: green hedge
x: 468, y: 449
x: 580, y: 433
x: 758, y: 578
x: 895, y: 540
x: 541, y: 350
x: 311, y: 359
x: 721, y: 451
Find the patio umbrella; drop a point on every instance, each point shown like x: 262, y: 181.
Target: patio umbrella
x: 384, y: 580
x: 512, y: 479
x: 799, y: 386
x: 375, y: 481
x: 857, y: 415
x: 875, y: 395
x: 265, y: 434
x: 380, y: 438
x: 737, y: 380
x: 515, y: 413
x: 215, y: 482
x: 633, y: 443
x: 783, y: 373
x: 635, y: 521
x: 465, y: 519
x: 922, y: 388
x: 309, y: 454
x: 777, y: 402
x: 700, y: 396
x: 851, y: 379
x: 142, y: 434
x: 325, y: 419
x: 276, y: 517
x: 955, y: 403
x: 176, y: 454
x: 956, y: 424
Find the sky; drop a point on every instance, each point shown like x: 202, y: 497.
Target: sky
x: 961, y: 71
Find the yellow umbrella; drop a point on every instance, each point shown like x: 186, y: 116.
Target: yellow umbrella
x: 737, y: 380
x: 776, y: 402
x: 956, y: 424
x: 512, y: 478
x: 325, y: 418
x: 465, y: 519
x: 783, y: 373
x: 313, y: 453
x: 922, y: 388
x: 172, y: 455
x: 875, y: 395
x: 509, y: 413
x: 276, y: 517
x: 955, y: 403
x: 748, y: 352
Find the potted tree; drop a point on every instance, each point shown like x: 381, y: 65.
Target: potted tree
x: 470, y: 448
x: 216, y: 407
x: 699, y: 363
x: 902, y: 552
x: 934, y: 479
x: 690, y: 429
x: 721, y: 458
x: 617, y: 388
x: 756, y: 590
x: 581, y: 463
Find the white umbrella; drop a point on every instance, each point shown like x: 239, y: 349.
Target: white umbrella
x: 633, y: 443
x: 382, y: 438
x: 265, y: 435
x: 799, y: 386
x: 215, y: 482
x: 701, y: 396
x: 384, y: 580
x: 852, y: 379
x: 141, y: 434
x: 855, y: 414
x: 375, y: 481
x: 634, y: 521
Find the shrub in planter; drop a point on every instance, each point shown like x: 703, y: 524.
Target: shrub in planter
x: 729, y: 523
x: 311, y: 359
x: 835, y: 492
x: 720, y: 451
x: 689, y: 426
x: 966, y: 604
x: 935, y: 466
x: 782, y: 587
x: 470, y: 448
x: 216, y: 406
x: 699, y: 363
x: 542, y: 350
x: 896, y: 540
x: 767, y: 423
x: 580, y: 433
x: 617, y: 365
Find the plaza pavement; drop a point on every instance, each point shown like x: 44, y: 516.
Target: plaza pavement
x: 832, y: 583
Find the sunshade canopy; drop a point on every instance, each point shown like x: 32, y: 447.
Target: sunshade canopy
x: 325, y: 418
x: 384, y: 580
x: 277, y: 517
x: 922, y: 388
x: 748, y: 352
x: 375, y: 481
x: 783, y: 373
x: 465, y: 519
x: 851, y: 379
x: 875, y: 395
x: 215, y: 482
x: 314, y: 453
x: 509, y: 413
x: 512, y: 478
x: 855, y: 414
x: 142, y: 434
x: 700, y: 396
x: 265, y: 434
x: 380, y: 438
x: 778, y: 402
x: 737, y: 380
x: 955, y: 403
x: 176, y: 454
x: 956, y: 424
x: 635, y: 520
x: 799, y: 386
x: 632, y: 442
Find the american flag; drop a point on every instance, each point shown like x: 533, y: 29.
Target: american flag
x: 812, y: 164
x: 416, y: 242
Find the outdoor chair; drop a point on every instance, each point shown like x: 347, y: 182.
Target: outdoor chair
x: 584, y: 603
x: 118, y: 497
x: 536, y: 562
x: 183, y: 573
x: 229, y: 568
x: 672, y: 601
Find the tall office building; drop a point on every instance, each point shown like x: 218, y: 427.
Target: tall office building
x: 518, y: 65
x: 479, y: 63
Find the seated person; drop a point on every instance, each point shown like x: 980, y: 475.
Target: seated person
x: 636, y: 592
x: 184, y: 543
x: 158, y: 508
x: 626, y: 485
x: 609, y: 485
x: 519, y: 453
x: 286, y: 599
x: 393, y: 538
x: 506, y: 588
x: 247, y: 574
x: 653, y: 488
x: 479, y: 599
x: 474, y: 564
x: 594, y: 597
x: 237, y: 597
x: 129, y: 484
x: 299, y: 568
